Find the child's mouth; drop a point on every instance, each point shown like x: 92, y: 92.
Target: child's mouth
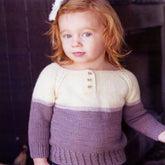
x: 78, y: 54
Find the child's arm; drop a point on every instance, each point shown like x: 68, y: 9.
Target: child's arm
x: 40, y: 161
x: 161, y: 137
x: 135, y: 114
x: 138, y: 118
x: 40, y: 114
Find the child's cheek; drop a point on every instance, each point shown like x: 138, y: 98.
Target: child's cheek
x: 66, y: 48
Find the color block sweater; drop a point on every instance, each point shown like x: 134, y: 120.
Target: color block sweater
x: 76, y: 115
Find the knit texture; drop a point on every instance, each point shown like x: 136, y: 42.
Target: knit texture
x: 76, y: 116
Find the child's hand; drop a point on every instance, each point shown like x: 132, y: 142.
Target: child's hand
x: 161, y: 137
x: 40, y: 161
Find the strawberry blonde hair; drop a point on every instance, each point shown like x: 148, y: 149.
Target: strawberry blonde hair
x: 112, y: 34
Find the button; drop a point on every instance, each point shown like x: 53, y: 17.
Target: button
x: 90, y: 73
x: 89, y: 86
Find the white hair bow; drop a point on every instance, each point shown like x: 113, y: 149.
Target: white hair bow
x: 55, y: 7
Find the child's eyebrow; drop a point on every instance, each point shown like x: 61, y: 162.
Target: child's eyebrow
x: 64, y: 31
x: 83, y: 29
x: 89, y: 28
x: 92, y: 29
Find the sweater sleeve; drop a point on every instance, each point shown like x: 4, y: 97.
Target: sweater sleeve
x: 134, y: 113
x: 40, y: 114
x: 138, y: 118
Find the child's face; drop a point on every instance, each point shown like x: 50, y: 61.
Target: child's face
x: 81, y: 34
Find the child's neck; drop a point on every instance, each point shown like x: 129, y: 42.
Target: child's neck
x: 104, y: 66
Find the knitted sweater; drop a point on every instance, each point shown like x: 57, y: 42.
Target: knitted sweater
x: 76, y: 115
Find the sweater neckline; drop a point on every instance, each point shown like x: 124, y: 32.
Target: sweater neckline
x: 82, y: 70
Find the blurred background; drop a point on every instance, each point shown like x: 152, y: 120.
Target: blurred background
x: 24, y: 51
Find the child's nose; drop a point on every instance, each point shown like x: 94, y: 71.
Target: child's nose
x: 76, y: 42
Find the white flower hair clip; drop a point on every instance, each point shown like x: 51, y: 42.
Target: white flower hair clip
x: 55, y: 7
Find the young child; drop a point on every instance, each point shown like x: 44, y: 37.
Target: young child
x: 80, y: 98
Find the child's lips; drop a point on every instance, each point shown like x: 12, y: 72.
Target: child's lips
x: 78, y: 54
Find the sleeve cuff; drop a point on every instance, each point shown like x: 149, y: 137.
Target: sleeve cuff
x: 39, y: 150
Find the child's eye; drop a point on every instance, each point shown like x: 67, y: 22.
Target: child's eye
x: 87, y: 34
x: 67, y: 35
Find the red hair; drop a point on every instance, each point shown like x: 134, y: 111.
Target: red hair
x: 112, y: 34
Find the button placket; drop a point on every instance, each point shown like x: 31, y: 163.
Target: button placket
x: 90, y: 81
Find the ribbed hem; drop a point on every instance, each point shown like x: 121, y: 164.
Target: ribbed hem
x: 66, y: 157
x: 39, y: 150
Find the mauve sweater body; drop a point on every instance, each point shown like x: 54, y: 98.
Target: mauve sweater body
x: 76, y: 115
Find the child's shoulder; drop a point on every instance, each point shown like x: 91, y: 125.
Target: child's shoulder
x: 50, y: 71
x: 51, y: 68
x: 128, y: 76
x: 127, y: 72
